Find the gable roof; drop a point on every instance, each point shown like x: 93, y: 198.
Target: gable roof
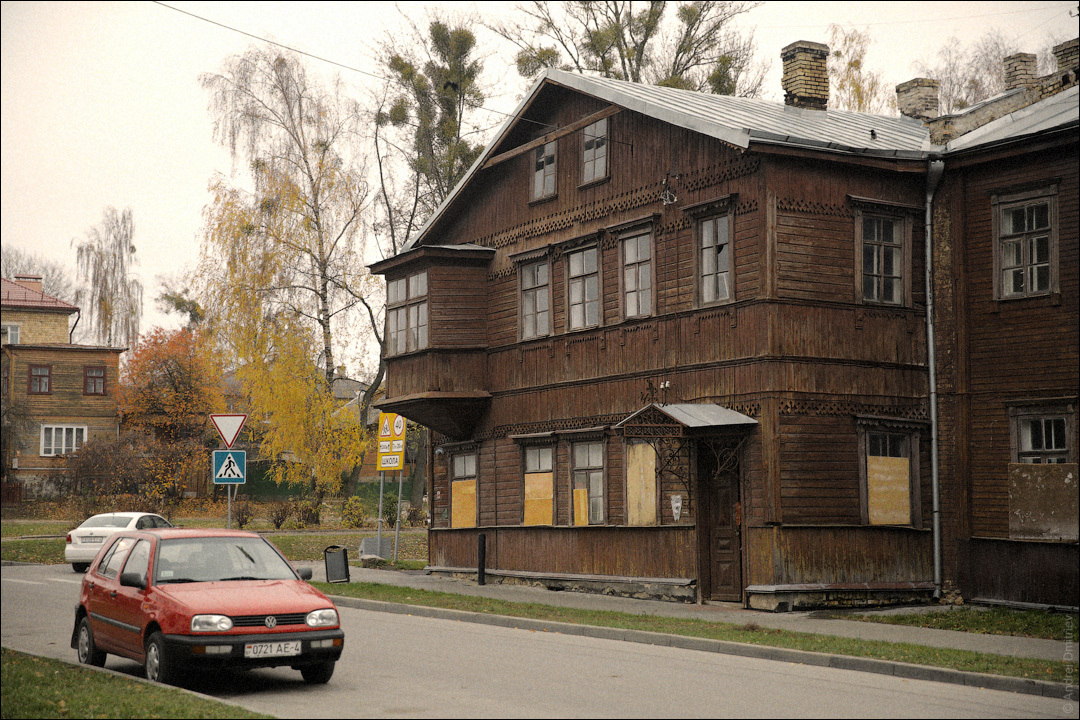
x: 14, y: 295
x: 739, y: 122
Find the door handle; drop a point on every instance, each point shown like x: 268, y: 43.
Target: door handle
x: 91, y: 586
x: 112, y: 593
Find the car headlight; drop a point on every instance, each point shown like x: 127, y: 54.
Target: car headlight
x: 322, y: 618
x: 211, y: 623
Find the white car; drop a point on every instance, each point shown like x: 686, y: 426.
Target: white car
x: 84, y: 541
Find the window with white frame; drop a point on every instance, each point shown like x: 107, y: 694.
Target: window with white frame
x: 588, y: 483
x: 637, y: 275
x: 583, y: 288
x: 1042, y: 432
x: 714, y: 264
x: 535, y: 301
x: 61, y: 439
x: 594, y: 165
x: 544, y: 171
x: 1025, y: 256
x: 407, y: 314
x: 9, y: 334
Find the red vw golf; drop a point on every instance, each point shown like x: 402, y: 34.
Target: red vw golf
x: 177, y: 599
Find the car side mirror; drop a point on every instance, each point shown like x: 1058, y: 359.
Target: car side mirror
x: 304, y: 573
x: 133, y: 580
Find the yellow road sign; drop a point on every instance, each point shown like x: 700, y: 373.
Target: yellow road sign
x: 391, y: 441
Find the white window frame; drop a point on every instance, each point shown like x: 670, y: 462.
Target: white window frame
x: 593, y: 477
x: 578, y: 281
x: 9, y: 333
x: 709, y: 270
x: 1042, y: 411
x: 637, y: 276
x: 535, y: 300
x: 77, y: 438
x: 544, y: 169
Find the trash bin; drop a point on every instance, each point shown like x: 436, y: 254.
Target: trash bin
x: 336, y: 559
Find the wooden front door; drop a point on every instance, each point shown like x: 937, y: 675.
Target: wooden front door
x: 723, y: 545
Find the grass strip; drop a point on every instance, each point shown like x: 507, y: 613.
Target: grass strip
x: 1054, y: 671
x: 987, y: 621
x: 21, y: 528
x: 36, y: 687
x: 47, y: 551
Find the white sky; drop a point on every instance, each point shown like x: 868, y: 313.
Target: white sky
x: 101, y: 103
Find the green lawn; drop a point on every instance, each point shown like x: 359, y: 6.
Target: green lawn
x: 36, y: 687
x: 991, y: 621
x: 899, y: 652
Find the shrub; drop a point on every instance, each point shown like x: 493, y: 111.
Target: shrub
x: 354, y: 513
x: 243, y: 513
x: 416, y: 517
x: 390, y: 509
x: 278, y: 512
x: 308, y: 512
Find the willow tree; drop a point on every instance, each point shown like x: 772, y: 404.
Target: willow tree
x: 852, y: 84
x: 282, y: 263
x: 110, y: 297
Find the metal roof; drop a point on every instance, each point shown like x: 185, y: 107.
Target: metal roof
x: 698, y: 415
x: 13, y: 295
x: 734, y: 120
x: 1056, y: 111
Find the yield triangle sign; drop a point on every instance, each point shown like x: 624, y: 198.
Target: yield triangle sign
x: 228, y: 427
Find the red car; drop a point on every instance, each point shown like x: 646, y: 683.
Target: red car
x: 180, y: 599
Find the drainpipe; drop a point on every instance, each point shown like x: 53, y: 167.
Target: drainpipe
x: 71, y: 334
x: 933, y: 176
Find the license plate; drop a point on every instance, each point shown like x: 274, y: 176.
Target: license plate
x: 92, y: 539
x: 272, y: 649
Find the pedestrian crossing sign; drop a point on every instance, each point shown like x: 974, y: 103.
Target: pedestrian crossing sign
x: 230, y: 467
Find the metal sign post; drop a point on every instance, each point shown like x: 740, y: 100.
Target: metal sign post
x: 230, y: 466
x: 391, y: 456
x: 397, y: 520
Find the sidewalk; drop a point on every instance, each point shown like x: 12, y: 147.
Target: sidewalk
x: 804, y: 622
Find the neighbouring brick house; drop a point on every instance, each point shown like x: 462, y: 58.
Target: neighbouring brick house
x: 57, y: 395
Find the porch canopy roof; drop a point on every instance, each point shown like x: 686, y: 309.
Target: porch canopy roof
x: 691, y: 416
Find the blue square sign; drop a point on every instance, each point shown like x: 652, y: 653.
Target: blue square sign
x: 230, y: 467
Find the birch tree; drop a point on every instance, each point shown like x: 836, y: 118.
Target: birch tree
x: 852, y: 84
x: 282, y: 264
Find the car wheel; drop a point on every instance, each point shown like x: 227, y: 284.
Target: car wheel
x: 157, y: 666
x: 319, y: 673
x: 80, y: 567
x: 88, y: 652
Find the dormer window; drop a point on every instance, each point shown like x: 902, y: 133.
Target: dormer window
x: 544, y: 172
x: 594, y: 166
x: 406, y: 314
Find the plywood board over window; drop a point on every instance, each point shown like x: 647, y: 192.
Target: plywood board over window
x: 640, y: 484
x: 463, y: 503
x: 888, y: 488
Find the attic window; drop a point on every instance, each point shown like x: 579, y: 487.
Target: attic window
x: 595, y: 156
x: 544, y: 172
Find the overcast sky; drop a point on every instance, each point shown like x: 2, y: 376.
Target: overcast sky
x: 101, y: 103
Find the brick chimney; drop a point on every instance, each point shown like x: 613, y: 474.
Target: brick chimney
x: 30, y: 282
x: 806, y: 77
x: 1068, y: 54
x: 918, y: 98
x: 1021, y: 71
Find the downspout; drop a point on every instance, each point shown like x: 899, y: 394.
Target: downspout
x: 71, y: 333
x: 933, y: 176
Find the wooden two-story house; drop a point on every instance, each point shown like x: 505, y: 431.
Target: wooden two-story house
x: 57, y: 395
x: 675, y: 345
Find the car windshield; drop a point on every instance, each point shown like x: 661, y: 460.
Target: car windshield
x: 106, y: 521
x: 210, y: 559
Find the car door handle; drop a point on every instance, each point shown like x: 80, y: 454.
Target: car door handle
x: 112, y: 593
x: 91, y: 586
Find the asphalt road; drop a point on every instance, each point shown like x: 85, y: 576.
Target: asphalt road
x: 404, y: 666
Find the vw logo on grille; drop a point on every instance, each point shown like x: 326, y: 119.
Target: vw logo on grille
x: 270, y: 621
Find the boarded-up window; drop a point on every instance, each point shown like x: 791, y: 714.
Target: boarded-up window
x: 463, y: 491
x: 539, y: 486
x: 1043, y: 502
x: 588, y: 485
x: 640, y: 484
x: 888, y: 479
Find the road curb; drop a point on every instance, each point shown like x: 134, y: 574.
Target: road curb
x: 909, y: 671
